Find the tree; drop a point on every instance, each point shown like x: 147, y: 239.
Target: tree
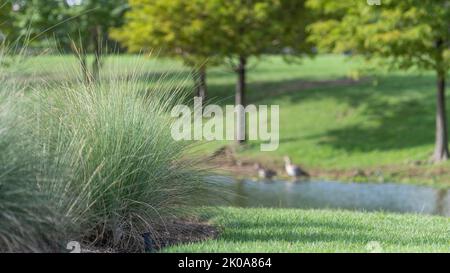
x: 94, y: 18
x: 250, y: 28
x: 78, y: 24
x: 176, y: 28
x: 231, y: 30
x: 7, y: 30
x: 405, y: 34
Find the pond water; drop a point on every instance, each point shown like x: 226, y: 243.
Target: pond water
x: 324, y: 194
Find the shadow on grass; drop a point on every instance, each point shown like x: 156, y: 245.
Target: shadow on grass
x: 397, y: 113
x: 404, y: 125
x: 316, y: 231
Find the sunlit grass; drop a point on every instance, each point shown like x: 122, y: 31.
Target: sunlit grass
x: 295, y: 230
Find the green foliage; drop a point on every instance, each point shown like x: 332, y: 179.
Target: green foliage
x: 77, y: 26
x: 175, y: 28
x: 411, y: 33
x: 198, y: 30
x: 404, y: 34
x: 251, y: 28
x: 7, y: 29
x: 86, y: 22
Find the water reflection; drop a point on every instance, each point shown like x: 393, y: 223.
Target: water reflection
x: 323, y: 194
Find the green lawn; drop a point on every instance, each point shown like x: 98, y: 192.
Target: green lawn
x: 294, y: 230
x: 382, y: 125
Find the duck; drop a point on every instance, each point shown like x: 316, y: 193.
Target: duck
x: 264, y: 172
x: 293, y: 170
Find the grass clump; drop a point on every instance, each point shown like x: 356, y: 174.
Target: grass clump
x: 105, y: 167
x: 119, y: 158
x: 27, y: 222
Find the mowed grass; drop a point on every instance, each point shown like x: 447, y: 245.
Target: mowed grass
x: 382, y: 124
x: 294, y: 230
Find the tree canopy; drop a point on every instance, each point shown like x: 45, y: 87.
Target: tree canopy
x: 405, y: 34
x: 7, y: 27
x: 200, y: 29
x: 176, y: 28
x: 219, y: 30
x: 252, y: 28
x: 79, y: 25
x: 68, y: 19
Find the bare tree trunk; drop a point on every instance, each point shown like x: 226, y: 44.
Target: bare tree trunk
x: 240, y: 93
x: 441, y: 144
x: 80, y: 54
x: 194, y: 74
x: 97, y: 43
x: 199, y: 77
x: 84, y: 68
x: 202, y: 88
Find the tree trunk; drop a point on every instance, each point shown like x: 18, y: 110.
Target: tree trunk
x: 199, y: 77
x: 81, y: 55
x: 97, y: 43
x: 202, y: 88
x: 441, y: 144
x: 240, y: 95
x: 84, y: 69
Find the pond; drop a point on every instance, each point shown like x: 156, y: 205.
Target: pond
x: 326, y: 194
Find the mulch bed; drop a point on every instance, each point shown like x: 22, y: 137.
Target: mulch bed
x: 173, y: 232
x: 180, y: 232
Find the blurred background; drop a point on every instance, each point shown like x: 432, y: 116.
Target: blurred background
x: 86, y: 88
x: 360, y: 84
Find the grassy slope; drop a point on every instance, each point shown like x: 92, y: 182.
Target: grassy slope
x: 384, y: 125
x: 291, y: 230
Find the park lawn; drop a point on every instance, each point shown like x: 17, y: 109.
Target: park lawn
x: 378, y: 129
x: 295, y: 230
